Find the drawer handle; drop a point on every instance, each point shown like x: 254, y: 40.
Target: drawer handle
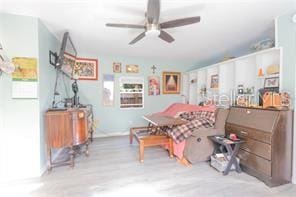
x: 248, y: 111
x: 244, y: 133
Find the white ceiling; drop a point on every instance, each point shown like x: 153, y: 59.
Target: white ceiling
x: 225, y: 27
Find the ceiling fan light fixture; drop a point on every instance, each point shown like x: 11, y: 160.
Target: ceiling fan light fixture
x: 152, y: 33
x: 152, y: 27
x: 152, y: 30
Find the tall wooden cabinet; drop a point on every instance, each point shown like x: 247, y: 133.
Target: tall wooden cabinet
x: 267, y: 151
x: 65, y: 129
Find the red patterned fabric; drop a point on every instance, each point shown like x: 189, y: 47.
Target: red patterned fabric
x: 199, y: 119
x: 176, y: 108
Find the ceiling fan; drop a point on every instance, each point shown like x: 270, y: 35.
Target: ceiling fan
x: 153, y: 27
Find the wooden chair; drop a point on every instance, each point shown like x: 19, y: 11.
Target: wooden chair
x: 142, y: 135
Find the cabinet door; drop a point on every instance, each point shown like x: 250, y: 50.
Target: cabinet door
x: 263, y: 120
x: 59, y: 129
x: 80, y: 131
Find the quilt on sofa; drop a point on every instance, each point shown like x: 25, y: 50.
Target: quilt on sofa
x: 195, y: 120
x: 178, y: 108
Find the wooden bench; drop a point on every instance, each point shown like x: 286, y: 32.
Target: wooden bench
x: 142, y: 135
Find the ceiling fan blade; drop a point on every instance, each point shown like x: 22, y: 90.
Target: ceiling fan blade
x: 153, y: 11
x: 125, y: 25
x: 139, y: 37
x: 166, y: 37
x: 180, y: 22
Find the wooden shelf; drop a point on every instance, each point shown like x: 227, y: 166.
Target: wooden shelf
x: 268, y: 76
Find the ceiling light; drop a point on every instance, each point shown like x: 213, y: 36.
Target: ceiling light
x: 152, y: 33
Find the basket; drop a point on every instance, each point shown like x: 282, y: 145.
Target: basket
x: 220, y: 163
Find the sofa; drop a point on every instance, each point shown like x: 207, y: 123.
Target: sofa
x: 198, y: 147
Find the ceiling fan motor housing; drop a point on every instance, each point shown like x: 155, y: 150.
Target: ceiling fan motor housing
x: 152, y: 30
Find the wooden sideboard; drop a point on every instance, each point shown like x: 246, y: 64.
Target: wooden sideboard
x: 267, y: 153
x: 65, y: 129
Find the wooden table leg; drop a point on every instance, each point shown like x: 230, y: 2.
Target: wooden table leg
x: 141, y: 151
x: 232, y: 161
x: 91, y: 136
x: 131, y: 136
x: 171, y: 148
x: 49, y: 166
x: 72, y: 152
x: 87, y: 148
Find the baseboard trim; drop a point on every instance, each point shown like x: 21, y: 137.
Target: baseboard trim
x: 111, y: 134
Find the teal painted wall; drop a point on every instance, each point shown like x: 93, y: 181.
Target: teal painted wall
x: 113, y: 120
x: 46, y: 41
x: 19, y: 126
x: 286, y: 34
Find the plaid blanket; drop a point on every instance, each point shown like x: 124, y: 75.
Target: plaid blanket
x: 199, y: 119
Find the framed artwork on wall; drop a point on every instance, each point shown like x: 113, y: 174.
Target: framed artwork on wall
x: 116, y: 67
x: 272, y: 82
x: 68, y: 64
x: 171, y: 82
x: 153, y: 85
x: 132, y: 68
x: 214, y: 81
x: 131, y: 92
x: 86, y: 69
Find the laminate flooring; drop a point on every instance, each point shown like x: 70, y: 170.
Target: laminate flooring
x: 112, y: 169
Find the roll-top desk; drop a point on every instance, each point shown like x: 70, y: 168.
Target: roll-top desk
x: 65, y: 129
x: 267, y: 153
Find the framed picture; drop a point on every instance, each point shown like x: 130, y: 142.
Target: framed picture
x: 132, y: 68
x: 214, y: 81
x: 86, y: 69
x: 153, y: 85
x: 171, y: 82
x: 116, y: 67
x: 68, y: 64
x: 272, y: 82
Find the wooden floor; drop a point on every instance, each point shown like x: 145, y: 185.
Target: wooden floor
x: 113, y: 170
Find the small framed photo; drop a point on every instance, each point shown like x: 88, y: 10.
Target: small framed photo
x: 132, y: 68
x: 116, y: 67
x: 153, y: 85
x: 215, y: 81
x: 272, y: 82
x: 68, y: 64
x: 86, y: 69
x: 171, y: 82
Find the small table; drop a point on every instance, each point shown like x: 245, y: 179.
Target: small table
x: 147, y: 136
x: 232, y: 148
x: 162, y: 122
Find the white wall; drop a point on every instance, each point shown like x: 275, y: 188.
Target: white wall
x: 19, y: 126
x: 47, y: 74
